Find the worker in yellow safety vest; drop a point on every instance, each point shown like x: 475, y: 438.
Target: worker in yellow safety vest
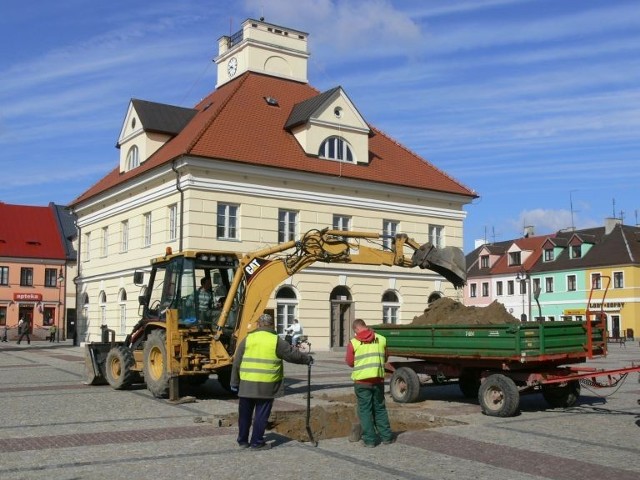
x: 367, y: 354
x: 257, y: 377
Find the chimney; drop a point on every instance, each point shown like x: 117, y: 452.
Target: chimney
x: 529, y: 231
x: 610, y: 224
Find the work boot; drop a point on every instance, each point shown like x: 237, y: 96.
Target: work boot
x: 356, y: 433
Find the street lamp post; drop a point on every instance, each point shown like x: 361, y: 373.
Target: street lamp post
x: 61, y: 305
x: 525, y: 279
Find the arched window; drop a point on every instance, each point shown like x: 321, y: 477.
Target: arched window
x: 336, y: 148
x: 133, y: 159
x: 286, y: 305
x: 390, y: 307
x: 122, y: 304
x: 102, y: 301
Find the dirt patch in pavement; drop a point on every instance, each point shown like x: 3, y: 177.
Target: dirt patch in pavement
x: 338, y: 417
x: 446, y: 311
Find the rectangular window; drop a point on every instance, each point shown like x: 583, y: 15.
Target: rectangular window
x: 596, y: 281
x: 548, y: 254
x: 511, y: 287
x: 485, y: 289
x: 389, y: 231
x: 390, y: 314
x: 618, y: 280
x: 287, y: 221
x: 50, y: 277
x: 499, y: 288
x: 514, y: 258
x: 536, y: 285
x: 173, y: 222
x: 3, y: 316
x: 124, y: 236
x: 87, y: 246
x: 123, y: 319
x: 147, y: 230
x: 548, y: 284
x: 227, y: 226
x: 571, y: 283
x: 436, y: 235
x: 484, y: 261
x: 48, y: 316
x: 473, y: 290
x: 341, y: 222
x: 4, y: 275
x: 576, y: 251
x: 285, y: 313
x: 26, y: 277
x: 105, y: 242
x: 523, y: 287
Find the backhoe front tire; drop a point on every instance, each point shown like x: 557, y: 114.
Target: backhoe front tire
x: 118, y: 368
x: 156, y: 365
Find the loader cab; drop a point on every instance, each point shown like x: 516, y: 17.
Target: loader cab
x: 194, y: 283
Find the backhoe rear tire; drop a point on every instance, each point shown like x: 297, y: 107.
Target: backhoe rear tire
x: 118, y: 368
x: 156, y: 365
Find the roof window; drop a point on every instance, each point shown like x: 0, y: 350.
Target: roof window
x: 271, y: 101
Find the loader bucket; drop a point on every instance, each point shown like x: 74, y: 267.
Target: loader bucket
x: 448, y: 262
x: 95, y: 356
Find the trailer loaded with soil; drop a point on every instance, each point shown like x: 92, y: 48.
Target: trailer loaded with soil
x: 496, y: 358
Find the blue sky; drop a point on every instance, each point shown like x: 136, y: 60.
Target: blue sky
x: 533, y: 104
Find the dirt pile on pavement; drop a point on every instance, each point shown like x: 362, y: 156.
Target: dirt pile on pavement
x: 446, y: 311
x: 337, y: 418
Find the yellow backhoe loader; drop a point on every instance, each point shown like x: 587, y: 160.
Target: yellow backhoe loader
x: 181, y: 338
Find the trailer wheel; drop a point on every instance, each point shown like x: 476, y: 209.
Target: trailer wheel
x: 561, y: 395
x: 499, y: 396
x: 156, y: 372
x: 404, y: 385
x: 118, y: 368
x: 469, y: 383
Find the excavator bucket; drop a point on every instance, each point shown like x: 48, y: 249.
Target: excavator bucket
x: 448, y: 262
x: 95, y: 357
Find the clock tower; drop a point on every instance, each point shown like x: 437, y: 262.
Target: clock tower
x: 263, y: 48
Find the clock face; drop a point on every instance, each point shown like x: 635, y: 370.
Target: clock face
x: 232, y: 66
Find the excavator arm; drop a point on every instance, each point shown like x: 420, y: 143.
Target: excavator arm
x: 265, y: 269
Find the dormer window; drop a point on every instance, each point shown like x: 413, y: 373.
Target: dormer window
x: 576, y: 251
x: 484, y: 261
x: 336, y: 148
x: 548, y: 255
x: 514, y: 259
x: 133, y: 159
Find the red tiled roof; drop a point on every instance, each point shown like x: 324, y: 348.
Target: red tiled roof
x: 235, y: 123
x: 29, y: 232
x: 532, y: 244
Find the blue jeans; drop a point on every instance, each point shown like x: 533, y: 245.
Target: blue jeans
x: 256, y: 411
x: 372, y: 412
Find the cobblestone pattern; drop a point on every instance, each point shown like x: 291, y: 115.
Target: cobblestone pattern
x: 54, y: 427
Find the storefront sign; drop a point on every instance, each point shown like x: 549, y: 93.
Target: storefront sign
x: 574, y: 311
x: 27, y: 297
x: 607, y: 306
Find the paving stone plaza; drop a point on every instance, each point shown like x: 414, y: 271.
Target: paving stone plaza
x: 54, y: 427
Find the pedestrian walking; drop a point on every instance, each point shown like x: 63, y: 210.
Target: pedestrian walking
x: 257, y: 377
x: 23, y: 330
x: 5, y: 333
x: 367, y: 354
x: 52, y: 333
